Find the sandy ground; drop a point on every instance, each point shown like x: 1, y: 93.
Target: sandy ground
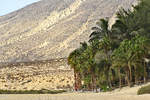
x: 123, y: 94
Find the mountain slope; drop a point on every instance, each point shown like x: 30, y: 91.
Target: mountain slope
x: 51, y: 29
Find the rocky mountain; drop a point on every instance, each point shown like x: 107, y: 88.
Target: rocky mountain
x: 51, y: 29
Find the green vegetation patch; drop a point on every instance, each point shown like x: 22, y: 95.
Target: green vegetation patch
x: 44, y: 91
x: 115, y: 56
x: 144, y: 90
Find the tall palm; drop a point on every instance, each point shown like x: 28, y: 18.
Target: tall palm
x: 89, y: 64
x: 101, y: 30
x: 123, y: 54
x: 117, y: 64
x: 141, y: 49
x: 129, y: 23
x: 73, y: 62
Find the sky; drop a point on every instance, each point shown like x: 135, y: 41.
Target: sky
x: 7, y: 6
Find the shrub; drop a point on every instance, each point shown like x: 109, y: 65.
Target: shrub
x: 105, y: 88
x: 144, y: 90
x: 31, y: 91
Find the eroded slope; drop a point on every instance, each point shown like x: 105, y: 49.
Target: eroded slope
x: 51, y: 28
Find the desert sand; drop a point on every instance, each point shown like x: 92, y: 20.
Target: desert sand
x: 123, y: 94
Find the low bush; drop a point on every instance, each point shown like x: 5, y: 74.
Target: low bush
x: 144, y: 90
x: 44, y: 91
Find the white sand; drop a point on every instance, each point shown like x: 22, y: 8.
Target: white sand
x: 123, y: 94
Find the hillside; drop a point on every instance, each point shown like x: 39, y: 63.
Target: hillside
x: 51, y: 29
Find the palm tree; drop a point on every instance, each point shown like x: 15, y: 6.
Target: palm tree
x: 125, y: 47
x: 73, y: 62
x: 89, y: 65
x: 117, y: 65
x: 129, y: 23
x: 141, y: 49
x: 101, y: 30
x: 130, y: 53
x: 123, y: 55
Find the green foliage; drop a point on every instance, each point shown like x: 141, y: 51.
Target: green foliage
x: 101, y: 30
x: 144, y: 90
x: 122, y: 51
x: 105, y: 88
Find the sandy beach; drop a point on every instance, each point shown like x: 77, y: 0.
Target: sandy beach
x: 123, y: 94
x: 74, y: 96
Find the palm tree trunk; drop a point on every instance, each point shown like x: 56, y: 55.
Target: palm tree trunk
x: 127, y: 77
x: 95, y: 87
x: 135, y: 75
x: 145, y: 73
x: 75, y: 79
x: 109, y: 80
x: 119, y: 78
x: 79, y: 81
x: 130, y: 73
x: 93, y: 81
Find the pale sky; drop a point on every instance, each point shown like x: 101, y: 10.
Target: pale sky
x: 7, y: 6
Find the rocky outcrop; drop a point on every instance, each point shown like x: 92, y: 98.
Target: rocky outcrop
x: 51, y: 75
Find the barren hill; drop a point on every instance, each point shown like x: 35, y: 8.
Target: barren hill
x: 51, y: 29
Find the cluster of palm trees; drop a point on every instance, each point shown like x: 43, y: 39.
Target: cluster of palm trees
x: 117, y: 56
